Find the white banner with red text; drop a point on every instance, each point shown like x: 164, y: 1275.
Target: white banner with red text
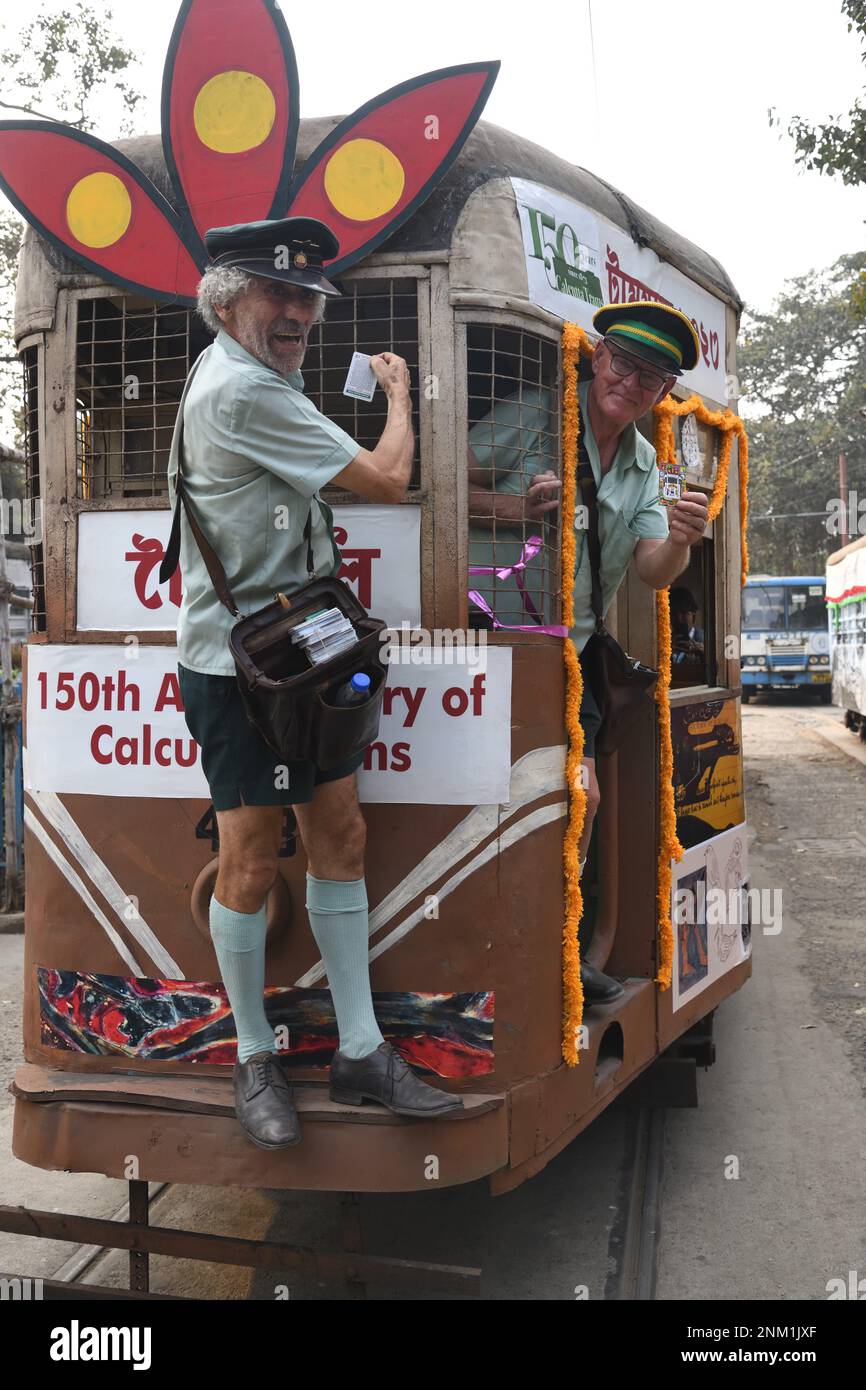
x: 119, y: 554
x: 108, y: 721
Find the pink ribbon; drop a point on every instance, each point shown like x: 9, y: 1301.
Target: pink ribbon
x: 530, y: 550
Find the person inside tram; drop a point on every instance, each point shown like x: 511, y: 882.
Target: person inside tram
x: 687, y: 639
x: 254, y: 447
x: 513, y: 485
x: 644, y: 347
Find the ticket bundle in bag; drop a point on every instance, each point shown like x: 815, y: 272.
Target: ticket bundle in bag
x: 324, y: 635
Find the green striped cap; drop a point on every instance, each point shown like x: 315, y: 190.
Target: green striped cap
x: 659, y: 333
x: 662, y: 347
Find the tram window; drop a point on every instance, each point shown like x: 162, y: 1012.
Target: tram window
x: 371, y: 316
x: 513, y: 436
x: 32, y: 486
x: 132, y: 359
x: 692, y: 608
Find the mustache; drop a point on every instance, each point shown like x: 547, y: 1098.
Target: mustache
x: 289, y: 326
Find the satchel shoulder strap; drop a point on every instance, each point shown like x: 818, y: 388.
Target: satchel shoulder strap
x: 589, y: 493
x: 213, y: 564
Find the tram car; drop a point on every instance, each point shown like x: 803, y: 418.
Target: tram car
x: 846, y: 611
x: 471, y: 255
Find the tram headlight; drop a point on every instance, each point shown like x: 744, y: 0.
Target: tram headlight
x: 819, y: 661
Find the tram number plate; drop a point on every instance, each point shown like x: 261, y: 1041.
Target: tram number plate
x: 820, y: 676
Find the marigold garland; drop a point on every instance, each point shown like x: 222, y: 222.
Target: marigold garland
x: 670, y: 848
x: 574, y: 341
x: 729, y: 424
x: 669, y: 845
x: 574, y: 344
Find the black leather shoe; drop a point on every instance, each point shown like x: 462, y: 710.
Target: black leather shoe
x: 598, y: 988
x: 384, y: 1076
x: 263, y: 1102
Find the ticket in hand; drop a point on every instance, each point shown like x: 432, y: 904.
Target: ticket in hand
x: 361, y: 381
x: 671, y: 482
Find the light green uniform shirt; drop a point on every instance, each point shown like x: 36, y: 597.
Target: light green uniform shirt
x: 629, y: 510
x: 515, y: 441
x: 256, y: 452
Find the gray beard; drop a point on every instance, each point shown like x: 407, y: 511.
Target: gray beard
x: 260, y: 348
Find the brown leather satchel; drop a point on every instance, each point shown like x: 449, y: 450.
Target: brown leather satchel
x: 621, y: 684
x: 288, y: 700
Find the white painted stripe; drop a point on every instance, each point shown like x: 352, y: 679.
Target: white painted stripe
x: 56, y: 815
x: 543, y: 816
x: 536, y: 774
x: 81, y: 889
x: 534, y: 821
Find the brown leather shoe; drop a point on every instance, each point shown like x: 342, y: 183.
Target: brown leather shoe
x: 263, y: 1102
x: 384, y: 1076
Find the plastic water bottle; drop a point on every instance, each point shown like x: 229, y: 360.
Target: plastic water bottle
x: 354, y: 692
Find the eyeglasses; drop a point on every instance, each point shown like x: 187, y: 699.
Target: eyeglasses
x: 625, y: 366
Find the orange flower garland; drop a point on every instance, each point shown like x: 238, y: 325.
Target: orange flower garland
x: 669, y: 845
x: 729, y: 424
x: 670, y: 848
x: 574, y: 340
x: 574, y: 343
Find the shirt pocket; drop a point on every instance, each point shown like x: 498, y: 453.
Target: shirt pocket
x: 617, y: 548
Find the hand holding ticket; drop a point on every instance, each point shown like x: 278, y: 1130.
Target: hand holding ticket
x: 688, y: 518
x: 361, y: 381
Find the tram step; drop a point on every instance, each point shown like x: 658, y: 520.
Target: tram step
x: 206, y: 1095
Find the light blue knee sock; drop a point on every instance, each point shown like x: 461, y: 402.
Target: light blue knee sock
x: 239, y: 942
x: 338, y: 918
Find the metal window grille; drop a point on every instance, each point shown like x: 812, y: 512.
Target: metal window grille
x: 132, y: 359
x: 514, y: 434
x: 372, y: 316
x: 32, y: 485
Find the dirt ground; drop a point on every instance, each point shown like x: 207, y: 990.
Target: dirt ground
x: 806, y: 801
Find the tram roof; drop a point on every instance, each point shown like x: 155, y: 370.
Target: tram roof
x: 463, y: 213
x: 838, y: 555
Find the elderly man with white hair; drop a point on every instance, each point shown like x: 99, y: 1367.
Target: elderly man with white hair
x: 256, y: 453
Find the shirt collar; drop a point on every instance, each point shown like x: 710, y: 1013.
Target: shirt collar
x: 632, y: 447
x: 232, y: 348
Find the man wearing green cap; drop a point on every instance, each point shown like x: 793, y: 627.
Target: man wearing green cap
x: 644, y: 347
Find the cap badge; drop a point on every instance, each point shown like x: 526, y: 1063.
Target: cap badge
x: 300, y: 259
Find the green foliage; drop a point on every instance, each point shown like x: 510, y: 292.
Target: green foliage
x: 839, y: 145
x: 63, y: 61
x: 802, y: 370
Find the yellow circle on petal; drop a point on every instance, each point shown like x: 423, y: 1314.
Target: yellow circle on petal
x: 364, y: 179
x: 233, y: 112
x: 98, y: 210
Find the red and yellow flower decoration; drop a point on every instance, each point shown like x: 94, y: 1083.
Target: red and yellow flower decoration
x: 230, y: 111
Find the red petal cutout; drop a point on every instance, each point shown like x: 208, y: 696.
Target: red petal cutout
x: 42, y: 166
x: 397, y: 119
x: 231, y: 77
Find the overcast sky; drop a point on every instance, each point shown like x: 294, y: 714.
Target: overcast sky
x: 680, y: 123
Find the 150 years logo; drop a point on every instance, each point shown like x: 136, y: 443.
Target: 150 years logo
x: 571, y: 266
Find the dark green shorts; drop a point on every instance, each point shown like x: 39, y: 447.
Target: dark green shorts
x: 239, y: 766
x: 590, y: 714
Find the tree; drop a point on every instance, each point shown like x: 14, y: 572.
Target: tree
x: 839, y: 146
x: 803, y: 374
x: 59, y: 67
